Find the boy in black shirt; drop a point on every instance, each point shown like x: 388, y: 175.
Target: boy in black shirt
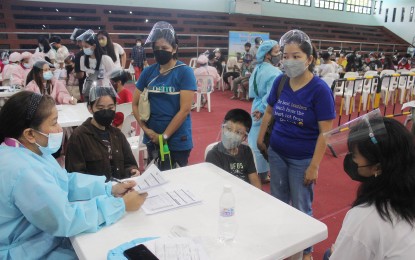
x: 230, y: 154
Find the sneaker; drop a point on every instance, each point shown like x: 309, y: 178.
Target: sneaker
x: 193, y: 106
x: 234, y: 97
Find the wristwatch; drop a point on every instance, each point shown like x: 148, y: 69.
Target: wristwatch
x: 165, y: 137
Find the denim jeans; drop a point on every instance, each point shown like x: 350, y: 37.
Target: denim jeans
x: 287, y: 183
x: 177, y: 157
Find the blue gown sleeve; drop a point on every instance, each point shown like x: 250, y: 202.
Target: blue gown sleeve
x: 85, y: 186
x: 42, y: 198
x: 273, y: 74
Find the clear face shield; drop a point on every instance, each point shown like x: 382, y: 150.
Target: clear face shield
x: 87, y: 36
x: 361, y: 129
x: 232, y: 136
x: 72, y: 37
x: 295, y: 36
x: 99, y: 91
x: 161, y: 30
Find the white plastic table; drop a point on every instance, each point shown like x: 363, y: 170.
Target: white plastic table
x: 267, y: 227
x: 72, y: 115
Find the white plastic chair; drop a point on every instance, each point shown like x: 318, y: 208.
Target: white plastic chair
x: 402, y: 71
x: 192, y: 63
x: 369, y: 88
x: 328, y: 80
x: 208, y: 148
x: 137, y: 145
x: 129, y: 129
x: 126, y: 109
x: 350, y: 90
x: 405, y: 85
x: 389, y: 85
x: 204, y: 86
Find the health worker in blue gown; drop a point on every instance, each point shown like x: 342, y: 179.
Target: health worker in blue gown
x: 260, y: 84
x: 41, y: 204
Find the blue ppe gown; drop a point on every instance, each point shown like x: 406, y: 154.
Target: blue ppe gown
x: 266, y: 73
x: 42, y: 205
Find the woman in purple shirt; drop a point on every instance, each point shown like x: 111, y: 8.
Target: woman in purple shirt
x: 303, y: 112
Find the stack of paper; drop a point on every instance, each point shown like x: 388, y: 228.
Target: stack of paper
x: 158, y: 199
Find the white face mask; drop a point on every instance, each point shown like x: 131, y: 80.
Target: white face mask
x: 41, y: 47
x: 294, y: 68
x: 230, y: 140
x: 48, y: 75
x: 27, y: 65
x: 88, y: 51
x: 138, y: 44
x: 54, y: 142
x: 372, y: 59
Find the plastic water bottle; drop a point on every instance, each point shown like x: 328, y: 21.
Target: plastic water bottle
x: 227, y: 220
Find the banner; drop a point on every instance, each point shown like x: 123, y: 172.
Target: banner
x: 237, y: 40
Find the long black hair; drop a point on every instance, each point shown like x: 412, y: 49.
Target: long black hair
x: 98, y: 52
x: 393, y: 191
x: 44, y: 41
x: 36, y: 74
x: 13, y: 115
x: 109, y: 48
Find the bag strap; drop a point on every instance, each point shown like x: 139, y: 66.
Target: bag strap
x: 180, y: 65
x: 281, y: 85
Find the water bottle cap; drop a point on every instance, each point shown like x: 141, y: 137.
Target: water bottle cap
x: 227, y: 187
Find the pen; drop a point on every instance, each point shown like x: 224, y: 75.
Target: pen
x: 116, y: 180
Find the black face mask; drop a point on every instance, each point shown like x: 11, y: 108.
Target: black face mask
x: 351, y: 168
x: 275, y: 60
x: 163, y: 57
x: 104, y: 117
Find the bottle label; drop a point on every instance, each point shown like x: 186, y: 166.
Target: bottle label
x: 227, y: 212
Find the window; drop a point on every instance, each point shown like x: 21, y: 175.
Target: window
x: 386, y: 15
x: 380, y: 7
x: 331, y: 4
x: 359, y: 6
x: 403, y: 14
x: 411, y: 14
x: 374, y: 7
x: 295, y: 2
x: 393, y: 15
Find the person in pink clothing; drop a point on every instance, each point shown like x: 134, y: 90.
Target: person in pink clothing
x: 26, y: 63
x: 39, y: 80
x: 13, y: 74
x: 204, y: 69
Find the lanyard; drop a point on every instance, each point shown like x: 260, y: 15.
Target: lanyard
x: 164, y: 150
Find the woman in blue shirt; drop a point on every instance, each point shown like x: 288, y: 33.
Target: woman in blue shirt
x: 41, y: 204
x: 171, y: 85
x: 303, y: 112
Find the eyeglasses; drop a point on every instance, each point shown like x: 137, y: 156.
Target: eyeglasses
x: 236, y: 131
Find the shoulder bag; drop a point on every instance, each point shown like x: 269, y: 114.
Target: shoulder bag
x: 267, y: 137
